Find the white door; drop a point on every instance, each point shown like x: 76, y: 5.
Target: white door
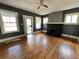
x: 28, y: 24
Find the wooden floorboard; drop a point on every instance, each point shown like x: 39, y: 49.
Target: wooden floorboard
x: 40, y: 46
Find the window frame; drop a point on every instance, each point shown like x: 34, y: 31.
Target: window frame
x: 2, y: 25
x: 71, y: 14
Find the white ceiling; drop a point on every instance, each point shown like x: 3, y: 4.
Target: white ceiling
x: 54, y: 5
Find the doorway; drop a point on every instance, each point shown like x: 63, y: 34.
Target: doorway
x: 28, y: 24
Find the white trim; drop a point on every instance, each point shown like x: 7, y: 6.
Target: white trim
x: 55, y: 23
x: 10, y: 38
x: 40, y: 31
x: 37, y: 31
x: 71, y: 23
x: 71, y: 36
x: 44, y: 30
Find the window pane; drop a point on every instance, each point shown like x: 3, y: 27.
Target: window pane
x: 38, y: 26
x: 5, y: 18
x: 45, y: 20
x: 38, y: 22
x: 10, y: 24
x: 7, y: 24
x: 8, y: 19
x: 13, y: 19
x: 74, y: 19
x: 68, y: 19
x: 10, y: 29
x: 29, y: 22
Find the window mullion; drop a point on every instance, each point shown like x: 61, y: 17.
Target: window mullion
x: 71, y: 19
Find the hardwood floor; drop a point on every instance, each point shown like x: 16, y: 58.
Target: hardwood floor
x: 40, y: 46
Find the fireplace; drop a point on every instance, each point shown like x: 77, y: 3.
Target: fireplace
x: 54, y: 29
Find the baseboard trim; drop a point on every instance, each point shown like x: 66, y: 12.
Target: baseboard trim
x: 44, y: 30
x: 10, y: 38
x: 70, y: 36
x: 37, y: 31
x: 61, y: 23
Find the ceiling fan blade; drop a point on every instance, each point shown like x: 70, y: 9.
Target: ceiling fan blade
x: 45, y: 5
x: 41, y: 1
x: 39, y: 7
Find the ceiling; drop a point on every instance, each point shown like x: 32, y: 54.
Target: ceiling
x: 54, y: 5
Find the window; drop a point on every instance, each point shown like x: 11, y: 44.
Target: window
x: 72, y: 18
x: 38, y: 22
x: 9, y: 21
x: 45, y: 20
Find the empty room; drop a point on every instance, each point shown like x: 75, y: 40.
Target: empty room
x: 39, y: 29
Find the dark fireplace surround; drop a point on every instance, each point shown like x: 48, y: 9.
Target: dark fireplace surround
x: 54, y: 29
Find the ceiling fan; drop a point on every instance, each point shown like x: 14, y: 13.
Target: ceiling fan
x: 41, y: 3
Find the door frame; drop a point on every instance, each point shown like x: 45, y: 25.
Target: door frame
x: 26, y: 16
